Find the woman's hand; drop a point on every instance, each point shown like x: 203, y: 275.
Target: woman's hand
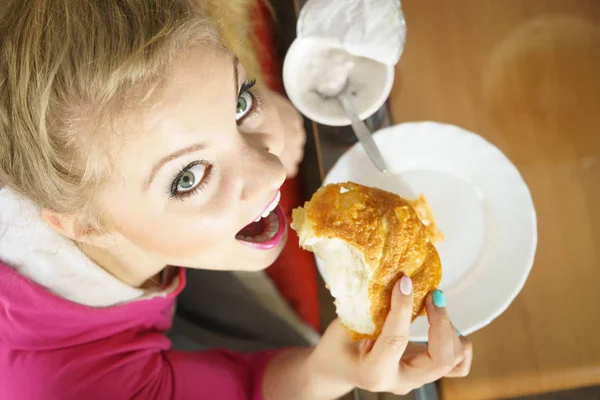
x: 293, y: 133
x: 391, y: 363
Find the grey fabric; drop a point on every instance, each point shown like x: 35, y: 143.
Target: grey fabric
x: 215, y: 310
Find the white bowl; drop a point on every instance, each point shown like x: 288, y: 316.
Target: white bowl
x: 371, y: 79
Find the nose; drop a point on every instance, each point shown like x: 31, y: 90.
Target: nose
x: 259, y: 171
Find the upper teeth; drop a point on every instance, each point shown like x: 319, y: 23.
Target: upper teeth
x: 270, y: 208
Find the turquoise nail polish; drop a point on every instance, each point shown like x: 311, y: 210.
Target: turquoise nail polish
x: 439, y: 298
x: 458, y: 333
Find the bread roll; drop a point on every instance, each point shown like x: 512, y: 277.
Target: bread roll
x: 368, y: 239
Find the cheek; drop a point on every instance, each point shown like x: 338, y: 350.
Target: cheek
x: 272, y: 129
x: 174, y: 235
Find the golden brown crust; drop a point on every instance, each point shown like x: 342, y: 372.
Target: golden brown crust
x: 425, y: 214
x: 387, y: 230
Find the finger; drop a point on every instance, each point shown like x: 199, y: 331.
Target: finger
x: 366, y: 346
x: 298, y: 157
x: 392, y: 342
x: 291, y: 172
x: 302, y: 137
x: 336, y: 333
x: 443, y: 349
x: 464, y: 366
x: 458, y: 347
x: 443, y: 352
x: 413, y: 350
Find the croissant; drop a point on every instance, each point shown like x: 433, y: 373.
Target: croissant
x: 368, y: 239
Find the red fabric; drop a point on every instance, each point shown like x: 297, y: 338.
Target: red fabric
x: 267, y: 51
x: 294, y: 272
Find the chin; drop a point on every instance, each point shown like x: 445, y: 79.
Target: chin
x: 244, y: 258
x: 267, y: 257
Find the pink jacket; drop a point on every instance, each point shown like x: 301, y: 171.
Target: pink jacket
x: 55, y: 349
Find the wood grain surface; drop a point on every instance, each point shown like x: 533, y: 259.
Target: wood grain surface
x: 525, y: 74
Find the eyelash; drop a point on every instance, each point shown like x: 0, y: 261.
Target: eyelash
x: 256, y: 108
x: 173, y: 193
x: 257, y: 105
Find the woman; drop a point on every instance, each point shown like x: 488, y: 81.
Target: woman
x: 132, y: 141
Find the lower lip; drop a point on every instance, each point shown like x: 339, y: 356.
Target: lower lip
x: 271, y: 243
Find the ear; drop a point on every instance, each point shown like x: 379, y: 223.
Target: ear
x: 73, y: 228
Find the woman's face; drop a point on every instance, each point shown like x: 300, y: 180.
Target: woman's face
x: 198, y: 168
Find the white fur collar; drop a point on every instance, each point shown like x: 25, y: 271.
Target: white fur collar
x: 35, y: 251
x: 29, y: 246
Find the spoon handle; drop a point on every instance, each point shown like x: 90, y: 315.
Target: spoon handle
x: 362, y: 133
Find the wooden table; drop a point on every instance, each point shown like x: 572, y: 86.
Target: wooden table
x: 525, y: 74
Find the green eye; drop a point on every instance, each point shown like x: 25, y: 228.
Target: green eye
x: 191, y: 178
x: 244, y: 105
x: 187, y: 180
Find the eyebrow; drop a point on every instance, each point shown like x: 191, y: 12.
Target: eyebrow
x: 236, y: 62
x: 169, y: 158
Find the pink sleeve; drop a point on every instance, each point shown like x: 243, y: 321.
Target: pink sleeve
x: 142, y: 374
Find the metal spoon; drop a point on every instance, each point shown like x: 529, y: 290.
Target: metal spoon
x: 360, y: 129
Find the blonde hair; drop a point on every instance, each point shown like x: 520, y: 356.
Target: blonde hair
x: 67, y: 64
x: 234, y: 21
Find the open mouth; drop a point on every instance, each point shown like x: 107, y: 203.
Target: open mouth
x: 267, y: 230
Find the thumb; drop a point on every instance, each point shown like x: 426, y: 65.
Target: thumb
x: 392, y: 342
x: 336, y: 336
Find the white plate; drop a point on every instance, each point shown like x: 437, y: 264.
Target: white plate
x: 480, y: 203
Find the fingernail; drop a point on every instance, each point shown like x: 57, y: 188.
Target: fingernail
x: 406, y: 285
x: 439, y: 298
x: 458, y: 333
